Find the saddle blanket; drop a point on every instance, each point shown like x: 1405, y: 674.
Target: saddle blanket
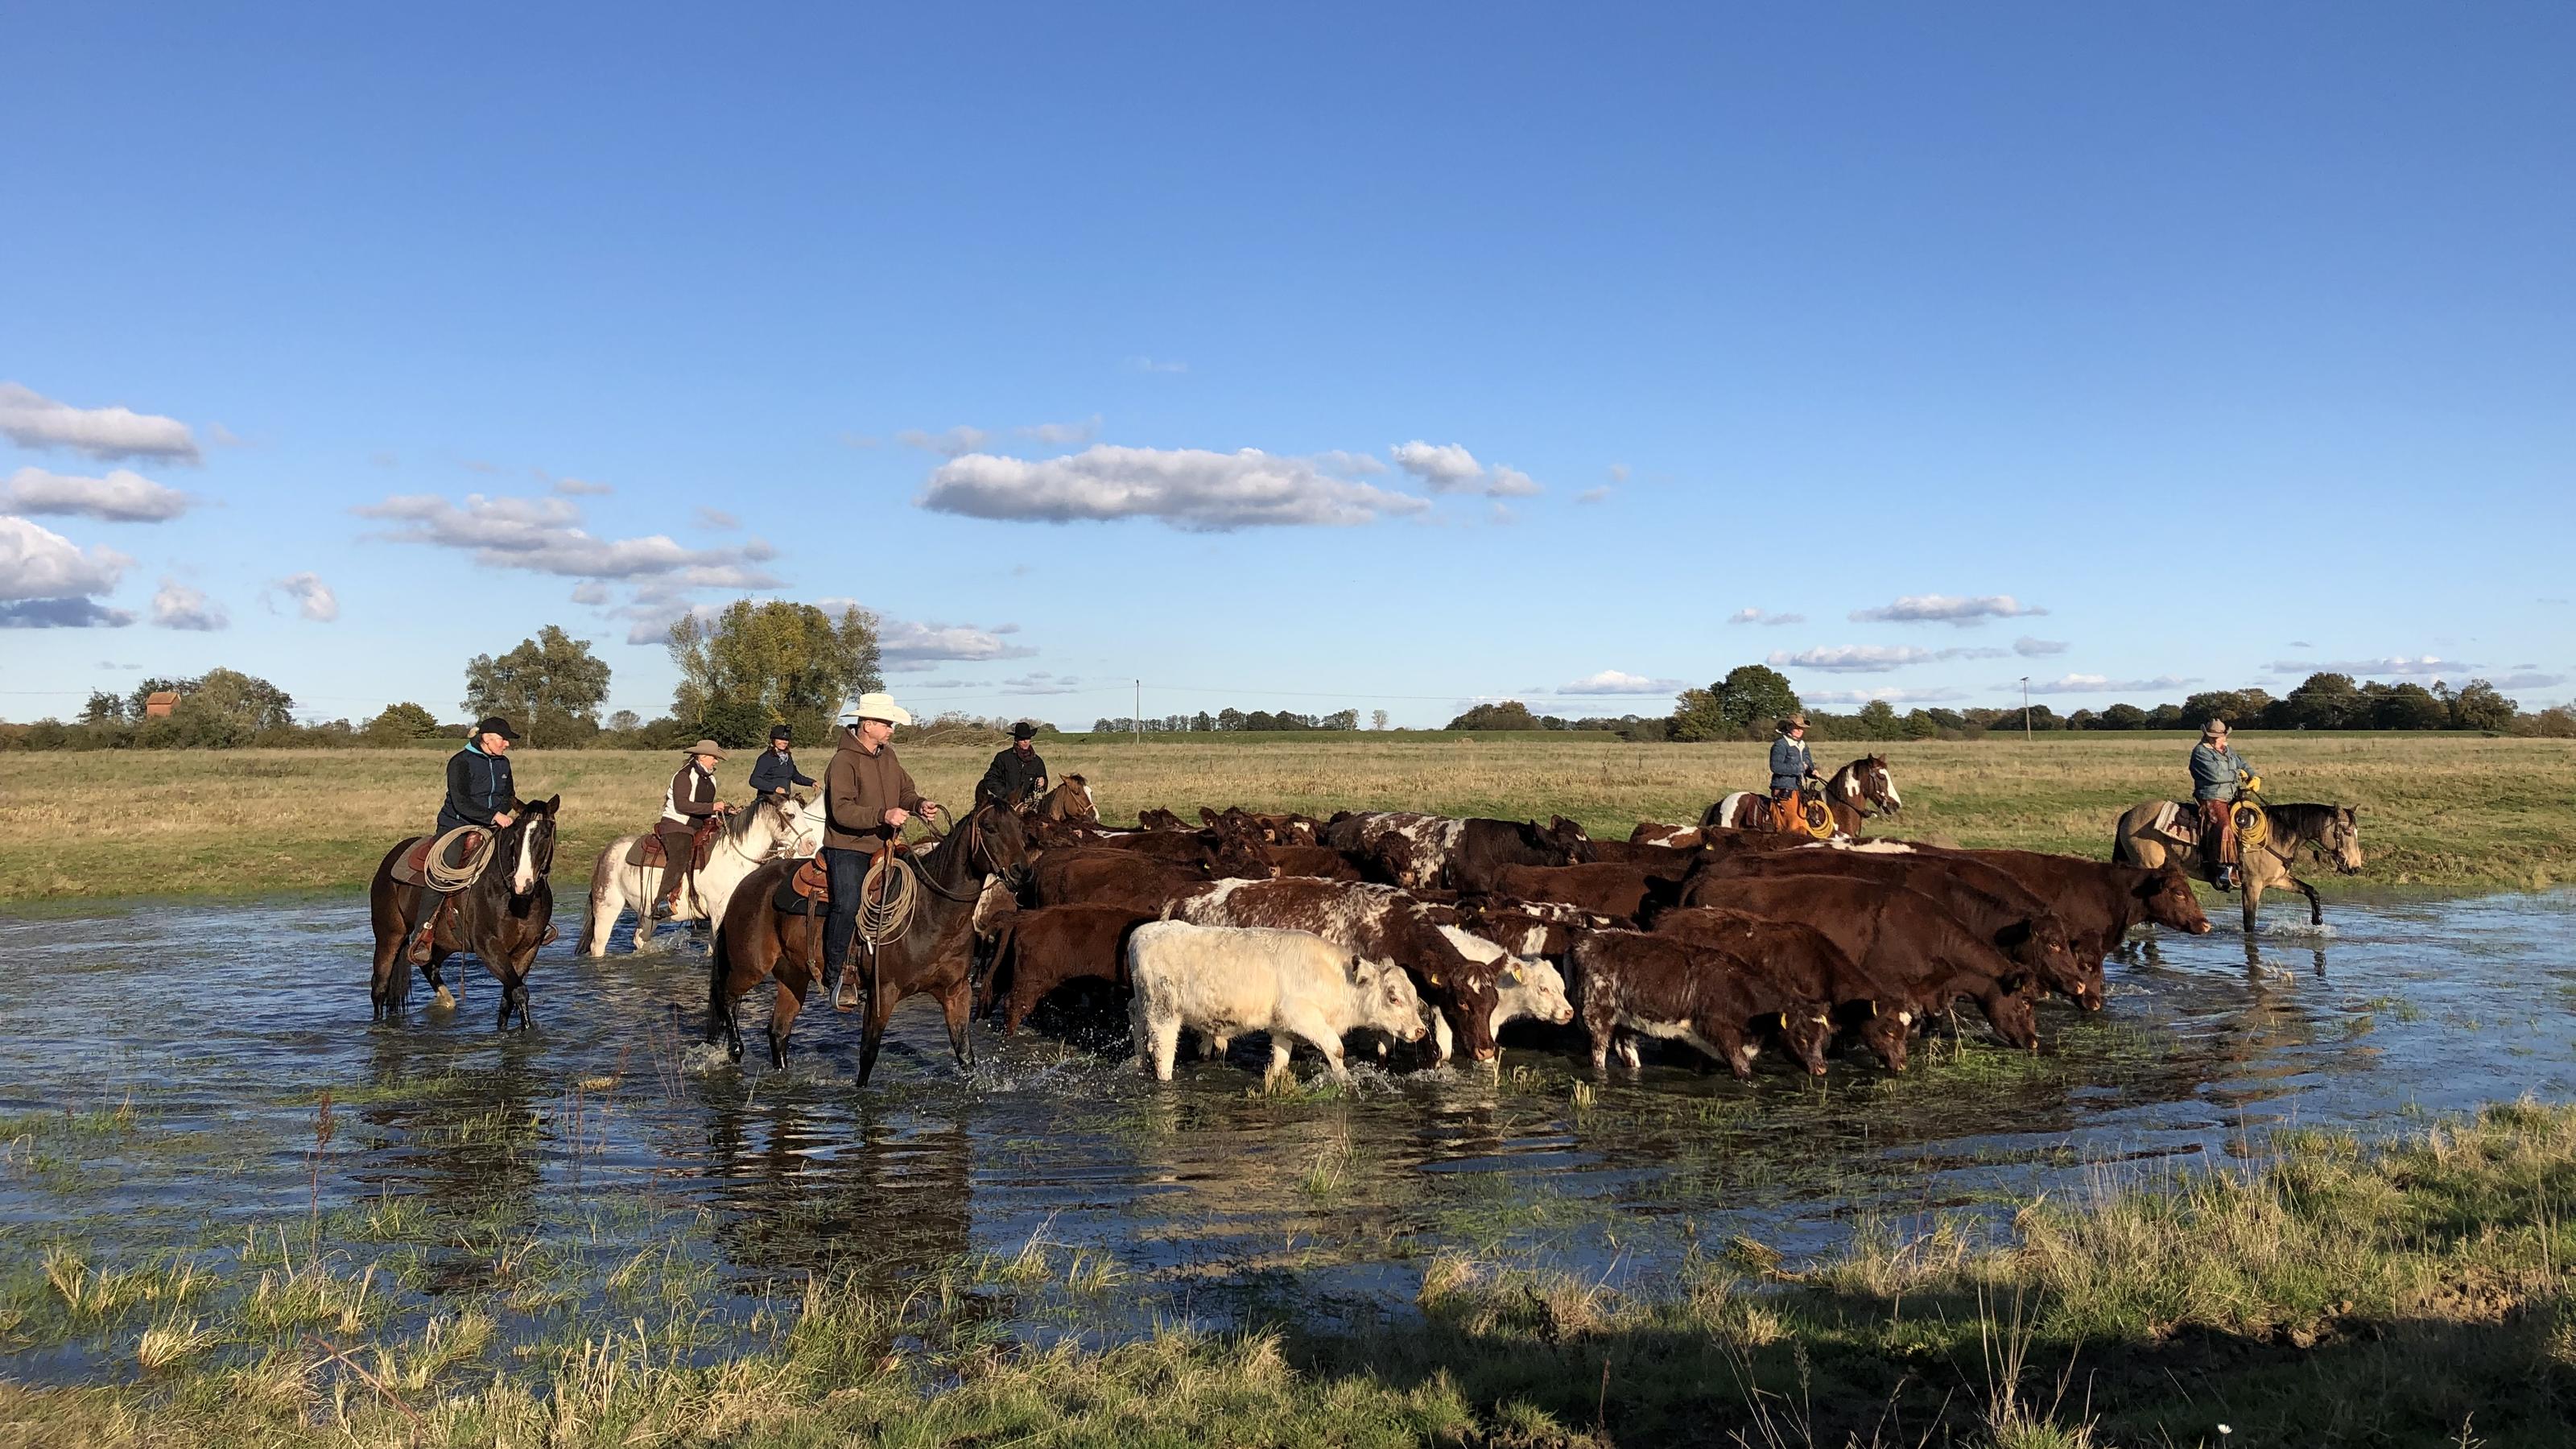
x: 2178, y: 819
x: 411, y: 866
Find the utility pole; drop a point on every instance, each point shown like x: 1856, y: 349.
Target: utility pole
x: 1139, y: 721
x: 2025, y: 709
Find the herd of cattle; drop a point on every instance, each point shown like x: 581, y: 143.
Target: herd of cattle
x: 1440, y: 930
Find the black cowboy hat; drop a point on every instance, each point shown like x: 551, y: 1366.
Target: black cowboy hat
x: 1024, y: 731
x: 495, y: 725
x: 780, y: 731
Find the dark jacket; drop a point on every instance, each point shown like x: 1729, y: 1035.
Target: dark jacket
x: 2213, y: 772
x: 478, y: 788
x: 776, y: 770
x: 858, y: 789
x: 692, y: 795
x: 1012, y: 777
x: 1790, y: 763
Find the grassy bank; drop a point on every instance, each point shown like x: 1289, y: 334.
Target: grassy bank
x: 2335, y: 1294
x: 2442, y: 811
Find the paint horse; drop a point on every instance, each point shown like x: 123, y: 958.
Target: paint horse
x: 621, y: 880
x: 1857, y: 792
x: 502, y: 917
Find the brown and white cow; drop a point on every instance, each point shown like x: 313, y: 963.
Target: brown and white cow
x: 1422, y: 852
x: 1676, y: 990
x: 1374, y: 922
x: 1880, y: 1011
x: 1227, y: 980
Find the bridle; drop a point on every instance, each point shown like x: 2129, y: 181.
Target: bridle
x: 971, y: 843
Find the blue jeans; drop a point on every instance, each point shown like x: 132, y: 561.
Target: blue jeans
x: 847, y: 868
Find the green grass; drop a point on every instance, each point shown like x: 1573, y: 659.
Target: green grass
x: 2443, y: 811
x: 2334, y: 1293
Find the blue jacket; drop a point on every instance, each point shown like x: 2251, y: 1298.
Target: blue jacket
x: 478, y: 788
x: 1790, y: 763
x: 2213, y: 772
x: 776, y: 770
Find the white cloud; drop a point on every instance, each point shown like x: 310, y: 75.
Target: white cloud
x: 38, y: 563
x: 543, y: 535
x: 2527, y: 680
x: 32, y: 420
x: 1062, y: 434
x: 479, y: 465
x: 2397, y: 666
x: 2100, y: 684
x: 313, y: 598
x: 1948, y: 609
x: 1447, y: 467
x: 1615, y: 681
x: 956, y: 442
x: 1593, y: 495
x: 2030, y: 648
x: 1191, y: 489
x: 1042, y: 683
x: 71, y: 613
x: 583, y: 488
x: 1618, y: 472
x: 590, y: 591
x: 713, y: 518
x: 1756, y: 616
x: 120, y: 497
x: 178, y: 606
x: 1350, y: 465
x: 908, y: 646
x: 1890, y: 694
x: 1873, y: 658
x: 1147, y: 364
x: 1512, y: 483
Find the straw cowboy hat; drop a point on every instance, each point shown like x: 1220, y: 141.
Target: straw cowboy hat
x: 877, y: 704
x: 2214, y: 729
x: 707, y: 747
x: 1793, y: 722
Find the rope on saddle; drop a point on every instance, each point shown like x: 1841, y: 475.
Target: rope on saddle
x: 444, y: 877
x: 886, y: 899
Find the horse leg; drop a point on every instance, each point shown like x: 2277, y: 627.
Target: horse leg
x: 2316, y: 908
x: 390, y: 982
x: 431, y: 973
x: 782, y: 1020
x: 961, y: 1042
x: 872, y: 1034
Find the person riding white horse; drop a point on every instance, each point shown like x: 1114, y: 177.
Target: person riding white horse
x: 689, y: 808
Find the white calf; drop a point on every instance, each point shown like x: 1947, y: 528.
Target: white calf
x: 1523, y: 986
x: 1226, y: 980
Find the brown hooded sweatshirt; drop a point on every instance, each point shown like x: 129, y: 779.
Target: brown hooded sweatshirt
x: 858, y: 789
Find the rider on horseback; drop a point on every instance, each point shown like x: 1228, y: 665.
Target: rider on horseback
x: 776, y: 772
x: 1016, y: 775
x: 2215, y: 770
x: 480, y: 794
x: 867, y: 797
x: 1791, y: 766
x: 688, y: 807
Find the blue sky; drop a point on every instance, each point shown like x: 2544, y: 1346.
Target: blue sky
x: 2131, y: 350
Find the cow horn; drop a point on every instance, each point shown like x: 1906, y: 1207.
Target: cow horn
x: 1872, y: 1004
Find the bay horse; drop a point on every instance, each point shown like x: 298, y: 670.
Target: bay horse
x: 933, y: 956
x: 2153, y: 832
x: 751, y: 836
x: 1853, y: 794
x: 1069, y: 802
x: 502, y: 918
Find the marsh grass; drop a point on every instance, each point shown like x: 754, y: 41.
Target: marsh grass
x: 2331, y: 1293
x: 2437, y: 810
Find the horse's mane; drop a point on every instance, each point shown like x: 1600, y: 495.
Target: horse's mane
x: 2305, y: 820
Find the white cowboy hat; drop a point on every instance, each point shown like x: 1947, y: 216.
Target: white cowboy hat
x: 876, y: 704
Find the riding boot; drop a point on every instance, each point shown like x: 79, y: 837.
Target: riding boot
x: 675, y: 868
x: 424, y: 935
x: 846, y: 869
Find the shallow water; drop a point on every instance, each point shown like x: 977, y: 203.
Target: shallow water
x: 609, y: 1131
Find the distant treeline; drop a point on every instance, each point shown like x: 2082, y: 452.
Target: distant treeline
x: 1231, y: 720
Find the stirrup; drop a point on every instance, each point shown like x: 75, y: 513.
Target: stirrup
x: 423, y: 945
x: 845, y: 994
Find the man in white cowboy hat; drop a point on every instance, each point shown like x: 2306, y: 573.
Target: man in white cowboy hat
x: 867, y: 797
x: 688, y: 806
x: 2215, y: 769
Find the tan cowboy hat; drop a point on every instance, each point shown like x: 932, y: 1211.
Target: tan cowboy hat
x: 2213, y: 729
x: 877, y: 704
x: 1793, y: 722
x: 707, y: 747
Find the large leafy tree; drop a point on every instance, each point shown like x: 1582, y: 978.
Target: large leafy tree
x: 220, y: 710
x: 779, y: 660
x: 550, y: 687
x: 1509, y: 714
x: 401, y: 725
x: 1749, y: 695
x: 2481, y: 706
x: 2323, y: 701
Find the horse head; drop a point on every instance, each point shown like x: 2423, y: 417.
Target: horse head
x: 1878, y: 785
x: 1071, y: 800
x: 994, y: 840
x: 2341, y: 844
x: 1567, y: 837
x: 529, y: 845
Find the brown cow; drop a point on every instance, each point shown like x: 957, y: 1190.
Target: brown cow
x: 1107, y: 875
x: 1898, y: 934
x: 1607, y: 890
x: 1664, y: 986
x: 1529, y: 928
x: 1320, y: 862
x: 1666, y: 859
x: 1037, y: 951
x: 1374, y: 922
x: 1986, y: 900
x: 1275, y: 828
x: 1417, y: 851
x: 1881, y: 1011
x: 2100, y: 901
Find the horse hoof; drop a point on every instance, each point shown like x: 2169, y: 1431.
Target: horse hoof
x: 446, y: 999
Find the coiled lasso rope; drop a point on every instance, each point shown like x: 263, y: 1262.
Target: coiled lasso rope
x: 444, y: 877
x: 886, y: 918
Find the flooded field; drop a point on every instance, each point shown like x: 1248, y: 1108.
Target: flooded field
x: 164, y: 1068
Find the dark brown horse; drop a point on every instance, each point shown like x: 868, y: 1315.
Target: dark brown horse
x: 933, y: 956
x: 502, y: 918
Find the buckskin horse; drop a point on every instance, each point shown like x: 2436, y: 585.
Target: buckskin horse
x: 2156, y: 831
x: 619, y: 882
x: 933, y: 956
x: 1853, y: 794
x: 502, y: 918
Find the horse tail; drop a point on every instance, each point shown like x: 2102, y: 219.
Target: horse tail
x: 603, y: 912
x: 2121, y: 854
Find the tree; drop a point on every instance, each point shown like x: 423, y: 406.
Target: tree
x: 221, y: 711
x: 625, y: 721
x: 2481, y: 706
x: 1509, y: 714
x: 156, y: 685
x: 736, y: 724
x: 1749, y: 697
x: 794, y: 662
x: 1877, y: 721
x: 103, y: 708
x: 400, y: 725
x: 2323, y: 701
x: 1342, y: 719
x: 2166, y: 717
x: 2410, y: 707
x: 549, y: 687
x: 1377, y: 719
x: 2121, y: 717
